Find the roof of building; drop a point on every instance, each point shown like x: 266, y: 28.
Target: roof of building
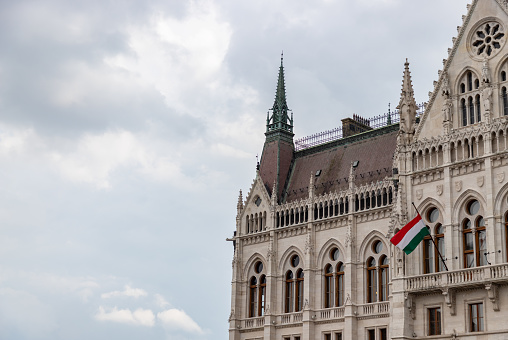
x: 373, y: 150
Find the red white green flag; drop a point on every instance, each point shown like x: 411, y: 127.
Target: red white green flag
x: 409, y: 237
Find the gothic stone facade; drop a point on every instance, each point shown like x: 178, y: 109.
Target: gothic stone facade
x: 312, y: 254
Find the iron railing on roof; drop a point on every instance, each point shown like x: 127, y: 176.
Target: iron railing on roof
x: 375, y: 122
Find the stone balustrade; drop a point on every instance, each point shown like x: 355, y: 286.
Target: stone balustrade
x: 457, y: 278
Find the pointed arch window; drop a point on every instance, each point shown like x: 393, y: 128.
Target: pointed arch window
x: 253, y: 297
x: 294, y: 281
x: 464, y: 111
x: 299, y: 291
x: 289, y: 292
x: 328, y: 286
x: 478, y: 108
x: 469, y: 81
x: 371, y: 280
x: 383, y: 278
x: 257, y: 291
x: 505, y: 101
x: 506, y: 233
x: 471, y: 110
x: 339, y: 285
x: 474, y: 236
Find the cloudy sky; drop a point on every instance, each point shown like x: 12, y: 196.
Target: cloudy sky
x: 128, y: 127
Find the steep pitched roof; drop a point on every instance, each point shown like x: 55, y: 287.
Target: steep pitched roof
x: 373, y: 150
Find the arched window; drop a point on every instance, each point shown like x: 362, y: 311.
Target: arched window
x: 431, y: 260
x: 469, y: 81
x: 262, y: 296
x: 464, y: 111
x: 253, y: 297
x: 334, y: 288
x: 371, y: 280
x: 294, y: 286
x: 471, y: 110
x: 462, y: 88
x: 503, y: 76
x: 328, y: 286
x: 339, y: 285
x: 474, y: 241
x: 257, y: 291
x: 289, y: 292
x: 505, y: 101
x: 478, y: 108
x: 299, y: 291
x: 383, y: 278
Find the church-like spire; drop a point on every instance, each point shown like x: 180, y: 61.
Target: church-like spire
x: 407, y: 105
x: 280, y: 119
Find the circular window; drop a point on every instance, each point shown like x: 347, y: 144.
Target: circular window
x: 473, y: 207
x: 334, y: 254
x: 432, y: 215
x: 487, y: 39
x: 377, y: 247
x: 258, y: 268
x: 295, y: 260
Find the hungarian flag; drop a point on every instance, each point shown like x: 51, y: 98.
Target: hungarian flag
x: 409, y: 237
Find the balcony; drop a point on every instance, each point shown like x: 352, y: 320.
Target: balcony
x: 458, y: 278
x: 254, y: 322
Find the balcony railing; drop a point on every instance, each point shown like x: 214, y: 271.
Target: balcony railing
x: 374, y: 309
x: 457, y: 278
x: 330, y: 313
x: 291, y: 318
x: 254, y: 322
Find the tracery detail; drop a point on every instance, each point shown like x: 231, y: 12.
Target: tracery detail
x: 487, y: 38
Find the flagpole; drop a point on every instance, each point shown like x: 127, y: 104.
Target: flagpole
x: 433, y: 241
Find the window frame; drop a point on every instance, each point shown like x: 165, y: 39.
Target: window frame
x: 480, y: 319
x: 438, y: 323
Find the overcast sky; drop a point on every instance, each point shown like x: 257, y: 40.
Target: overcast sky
x: 128, y: 127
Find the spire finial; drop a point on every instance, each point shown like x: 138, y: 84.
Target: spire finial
x: 280, y: 119
x: 407, y: 105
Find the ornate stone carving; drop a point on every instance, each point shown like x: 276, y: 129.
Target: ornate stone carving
x: 419, y: 194
x: 493, y: 294
x: 447, y: 110
x: 350, y: 239
x: 458, y: 186
x: 308, y: 244
x: 449, y: 295
x: 446, y: 85
x: 485, y: 71
x: 487, y: 98
x: 411, y: 305
x: 439, y: 189
x: 500, y: 177
x: 480, y: 181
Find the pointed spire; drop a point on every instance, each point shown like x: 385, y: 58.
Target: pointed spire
x: 239, y: 206
x: 407, y: 105
x: 280, y: 118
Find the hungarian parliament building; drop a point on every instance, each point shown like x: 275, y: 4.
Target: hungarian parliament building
x: 312, y: 253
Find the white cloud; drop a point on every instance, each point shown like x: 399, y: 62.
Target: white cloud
x: 161, y: 301
x: 176, y: 319
x: 128, y: 291
x: 142, y: 317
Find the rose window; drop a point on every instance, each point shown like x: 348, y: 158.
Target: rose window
x: 487, y: 39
